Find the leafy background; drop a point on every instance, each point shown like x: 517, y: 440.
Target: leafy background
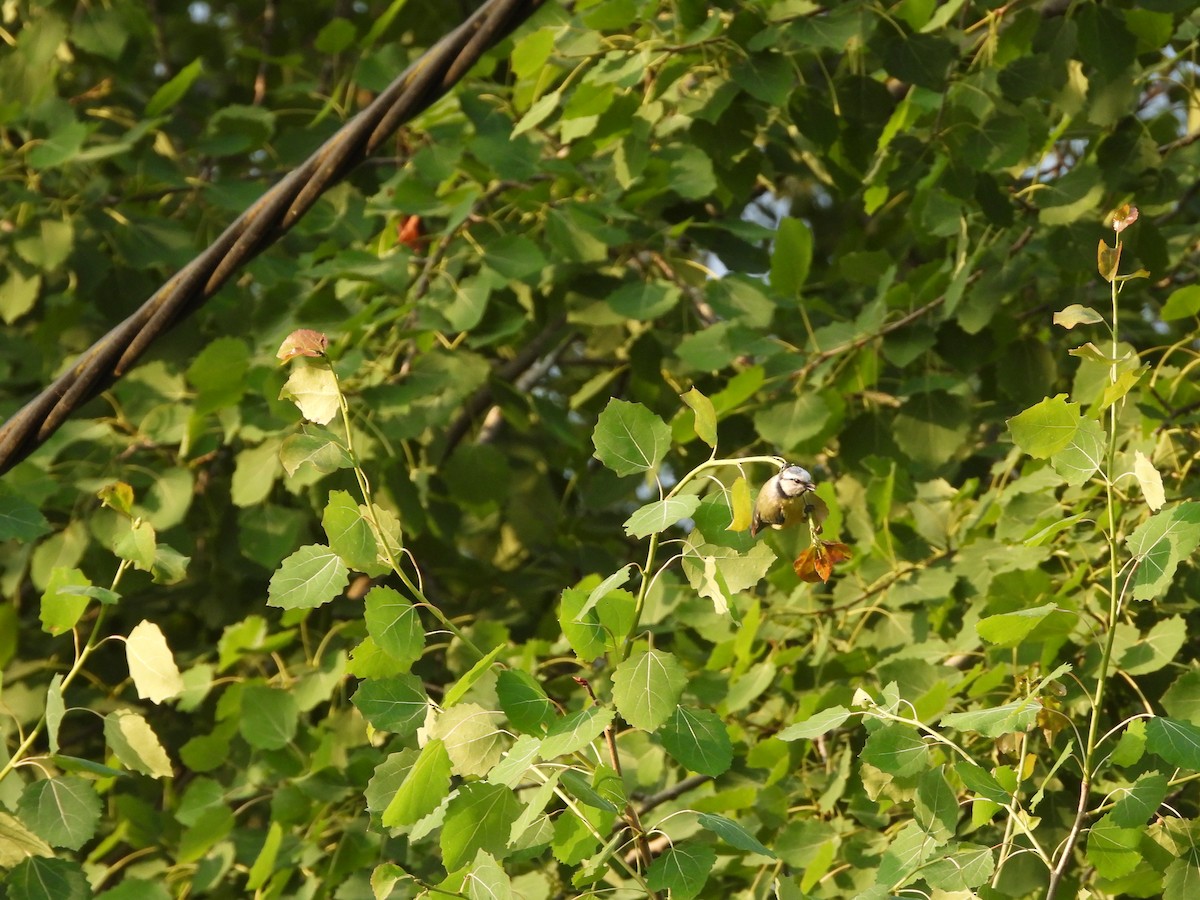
x: 848, y: 226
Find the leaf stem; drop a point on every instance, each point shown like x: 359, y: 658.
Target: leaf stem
x: 364, y: 487
x: 81, y: 657
x: 1114, y: 610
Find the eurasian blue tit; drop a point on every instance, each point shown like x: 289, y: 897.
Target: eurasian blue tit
x: 785, y: 500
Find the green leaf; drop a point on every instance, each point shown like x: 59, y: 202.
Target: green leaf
x: 172, y: 92
x: 18, y: 843
x: 394, y: 625
x: 1181, y: 303
x: 264, y: 863
x: 397, y: 704
x: 320, y: 450
x: 1135, y: 806
x: 61, y: 606
x: 1182, y: 698
x: 580, y: 788
x: 689, y: 171
x: 1113, y: 850
x: 576, y: 730
x: 471, y: 735
x: 1047, y: 427
x: 515, y: 765
x: 136, y: 542
x: 647, y: 687
x: 606, y: 587
x: 488, y: 880
x: 56, y: 709
x: 697, y: 740
x: 269, y: 717
x: 1132, y: 745
x: 64, y: 810
x: 705, y: 416
x: 1182, y: 878
x: 815, y: 725
x: 36, y: 878
x: 1159, y: 544
x: 350, y: 535
x: 427, y: 785
x: 931, y: 427
x: 477, y: 671
x: 524, y: 701
x: 1158, y: 648
x: 135, y: 744
x: 967, y: 868
x: 629, y: 438
x: 767, y: 77
x: 660, y: 515
x: 20, y: 519
x: 538, y: 113
x: 788, y: 424
x: 791, y: 256
x: 1006, y: 719
x: 906, y: 853
x: 335, y: 36
x: 682, y: 869
x: 593, y: 622
x: 515, y: 256
x: 644, y: 300
x: 1176, y: 742
x: 1083, y: 455
x: 895, y: 749
x: 310, y: 577
x: 1010, y: 629
x: 256, y: 471
x: 739, y: 571
x: 936, y: 806
x: 535, y: 805
x: 219, y: 374
x: 151, y: 664
x: 18, y: 294
x: 733, y: 834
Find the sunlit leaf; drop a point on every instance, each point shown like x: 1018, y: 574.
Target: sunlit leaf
x: 647, y: 687
x: 705, y: 415
x: 310, y: 577
x: 1075, y: 314
x: 1047, y: 427
x: 151, y: 663
x: 629, y: 438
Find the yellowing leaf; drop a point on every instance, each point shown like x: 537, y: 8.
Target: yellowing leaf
x: 151, y: 664
x: 706, y: 416
x: 1150, y: 480
x: 314, y: 390
x: 1076, y: 314
x: 1107, y: 260
x: 743, y: 506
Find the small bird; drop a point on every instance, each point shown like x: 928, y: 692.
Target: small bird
x: 783, y: 500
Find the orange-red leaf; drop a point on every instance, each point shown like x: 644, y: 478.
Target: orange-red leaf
x: 410, y: 233
x: 1125, y: 216
x: 816, y: 563
x: 302, y: 342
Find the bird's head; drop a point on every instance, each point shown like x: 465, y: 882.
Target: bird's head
x: 794, y: 481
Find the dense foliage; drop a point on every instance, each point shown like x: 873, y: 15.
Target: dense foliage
x: 462, y: 602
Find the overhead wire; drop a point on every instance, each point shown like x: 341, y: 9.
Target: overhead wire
x: 265, y: 222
